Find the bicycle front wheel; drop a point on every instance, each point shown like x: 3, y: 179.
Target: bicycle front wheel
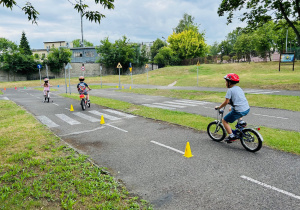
x: 251, y: 140
x: 216, y: 131
x: 83, y: 105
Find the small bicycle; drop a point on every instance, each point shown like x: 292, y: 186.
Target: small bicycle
x: 84, y: 102
x: 47, y: 97
x: 250, y: 138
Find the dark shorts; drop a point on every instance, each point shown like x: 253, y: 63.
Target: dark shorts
x: 234, y: 115
x: 83, y: 92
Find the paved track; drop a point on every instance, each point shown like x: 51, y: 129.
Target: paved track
x: 148, y: 157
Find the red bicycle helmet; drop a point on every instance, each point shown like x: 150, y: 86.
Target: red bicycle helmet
x: 232, y: 78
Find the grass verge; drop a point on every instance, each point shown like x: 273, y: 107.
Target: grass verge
x: 38, y: 171
x: 287, y: 141
x: 260, y: 100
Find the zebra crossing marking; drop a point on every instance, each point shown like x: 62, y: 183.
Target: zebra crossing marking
x: 86, y: 117
x: 171, y: 102
x: 260, y: 91
x: 67, y: 119
x: 106, y: 116
x: 119, y: 113
x: 46, y: 121
x: 157, y: 106
x: 193, y: 102
x: 175, y: 106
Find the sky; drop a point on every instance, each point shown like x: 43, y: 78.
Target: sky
x: 139, y: 20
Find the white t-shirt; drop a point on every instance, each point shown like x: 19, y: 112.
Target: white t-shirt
x: 237, y: 99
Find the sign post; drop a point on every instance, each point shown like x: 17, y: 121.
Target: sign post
x: 101, y: 74
x: 83, y: 68
x: 66, y: 78
x: 147, y: 72
x: 47, y: 71
x: 39, y: 67
x: 198, y: 64
x: 119, y: 66
x: 68, y: 66
x: 130, y: 69
x: 287, y: 58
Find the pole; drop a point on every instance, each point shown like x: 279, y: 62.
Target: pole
x: 119, y: 79
x: 287, y: 32
x: 197, y: 76
x: 81, y: 27
x: 47, y: 71
x: 40, y: 76
x: 69, y: 81
x: 101, y: 75
x: 66, y: 78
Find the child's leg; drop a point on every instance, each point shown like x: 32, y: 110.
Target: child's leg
x: 227, y: 127
x: 87, y: 96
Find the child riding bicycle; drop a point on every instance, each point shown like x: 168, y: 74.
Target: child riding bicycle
x: 46, y: 88
x: 239, y: 105
x: 81, y: 86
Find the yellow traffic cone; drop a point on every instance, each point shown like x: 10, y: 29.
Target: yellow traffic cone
x: 117, y: 86
x: 188, y: 152
x: 102, y: 120
x: 122, y: 87
x: 71, y: 109
x: 130, y: 88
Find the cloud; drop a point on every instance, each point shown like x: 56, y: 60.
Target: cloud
x: 138, y: 20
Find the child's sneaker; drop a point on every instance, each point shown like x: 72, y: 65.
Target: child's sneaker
x: 229, y: 139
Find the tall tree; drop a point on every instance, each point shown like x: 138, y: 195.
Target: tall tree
x: 6, y: 45
x: 32, y: 13
x: 188, y: 44
x: 57, y: 57
x: 186, y: 23
x: 258, y: 12
x: 24, y: 45
x: 157, y: 45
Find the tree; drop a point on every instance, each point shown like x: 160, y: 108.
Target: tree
x: 244, y: 46
x: 76, y: 43
x: 185, y: 24
x: 32, y: 13
x: 166, y: 57
x: 6, y: 45
x: 214, y: 49
x: 57, y: 58
x: 157, y: 45
x: 259, y: 12
x: 24, y: 45
x: 121, y: 51
x: 188, y: 44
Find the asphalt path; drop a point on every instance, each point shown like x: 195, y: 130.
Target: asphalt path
x: 147, y: 156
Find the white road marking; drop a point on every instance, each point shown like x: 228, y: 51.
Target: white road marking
x: 176, y: 106
x: 271, y: 187
x: 80, y: 132
x: 284, y: 118
x: 55, y: 104
x: 5, y: 98
x: 106, y: 116
x: 193, y: 102
x: 156, y: 106
x: 67, y: 119
x: 260, y: 91
x: 119, y: 113
x: 117, y: 128
x: 171, y: 148
x: 86, y: 117
x: 46, y: 121
x: 178, y: 103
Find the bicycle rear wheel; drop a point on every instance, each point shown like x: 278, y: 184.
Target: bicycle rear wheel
x: 216, y: 131
x: 251, y: 140
x: 83, y: 105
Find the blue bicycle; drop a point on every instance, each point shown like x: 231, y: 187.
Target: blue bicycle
x: 250, y: 137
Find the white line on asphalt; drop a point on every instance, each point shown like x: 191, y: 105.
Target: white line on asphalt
x: 67, y: 119
x: 270, y: 116
x: 116, y: 128
x: 171, y: 148
x: 169, y: 105
x: 119, y: 113
x: 55, y: 104
x: 271, y: 187
x: 208, y: 107
x: 86, y: 117
x: 193, y: 102
x: 80, y: 132
x: 156, y: 106
x: 5, y: 98
x: 45, y: 120
x: 178, y: 103
x: 106, y: 116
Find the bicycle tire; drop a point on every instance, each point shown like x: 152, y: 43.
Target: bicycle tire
x: 216, y: 131
x: 89, y: 104
x: 251, y: 140
x: 83, y: 106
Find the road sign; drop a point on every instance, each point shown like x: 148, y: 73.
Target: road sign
x: 82, y: 68
x: 130, y: 69
x: 39, y: 66
x: 146, y: 66
x: 119, y: 65
x: 68, y: 66
x: 198, y: 64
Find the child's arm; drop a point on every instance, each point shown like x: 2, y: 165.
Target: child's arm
x: 223, y: 104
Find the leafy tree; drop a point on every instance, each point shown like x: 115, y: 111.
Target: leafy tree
x: 57, y: 58
x: 185, y: 24
x: 224, y: 48
x: 121, y: 51
x: 188, y: 44
x: 166, y: 57
x: 157, y: 45
x: 262, y: 11
x: 6, y: 45
x: 214, y: 49
x: 24, y: 45
x: 76, y: 43
x: 32, y: 13
x: 244, y: 46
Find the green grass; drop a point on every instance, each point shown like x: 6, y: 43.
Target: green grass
x: 260, y: 100
x: 253, y: 75
x: 38, y: 171
x: 287, y: 141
